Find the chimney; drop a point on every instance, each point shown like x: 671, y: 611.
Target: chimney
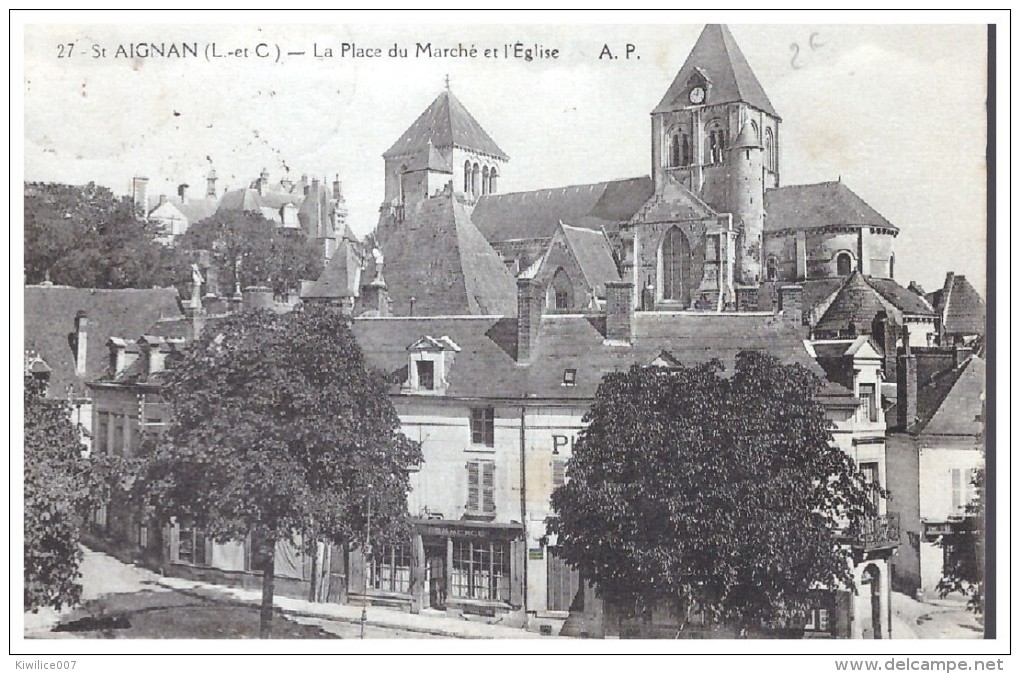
x: 257, y: 297
x: 375, y: 297
x: 122, y: 355
x: 138, y: 194
x: 81, y: 323
x: 790, y: 304
x: 152, y: 351
x: 336, y: 187
x: 619, y: 311
x: 800, y: 251
x: 529, y: 317
x: 182, y: 191
x: 210, y: 184
x: 162, y: 200
x: 263, y: 182
x: 906, y: 385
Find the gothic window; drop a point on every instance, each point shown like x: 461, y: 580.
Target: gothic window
x: 561, y: 291
x: 772, y: 269
x: 674, y: 251
x: 770, y: 156
x: 467, y: 177
x: 716, y: 141
x: 485, y: 180
x: 892, y: 264
x: 492, y: 180
x: 476, y: 179
x: 687, y: 149
x: 844, y: 263
x: 754, y: 130
x: 674, y: 150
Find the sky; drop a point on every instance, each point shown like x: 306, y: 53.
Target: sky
x: 897, y: 112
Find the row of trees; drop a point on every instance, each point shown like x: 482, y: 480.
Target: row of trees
x: 85, y: 237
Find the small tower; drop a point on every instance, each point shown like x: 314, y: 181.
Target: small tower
x: 746, y: 204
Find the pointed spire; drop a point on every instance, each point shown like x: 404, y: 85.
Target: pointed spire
x: 716, y: 61
x: 446, y: 123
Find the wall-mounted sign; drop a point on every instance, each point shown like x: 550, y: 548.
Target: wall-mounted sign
x: 536, y: 553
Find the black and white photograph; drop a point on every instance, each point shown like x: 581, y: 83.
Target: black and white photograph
x: 668, y: 332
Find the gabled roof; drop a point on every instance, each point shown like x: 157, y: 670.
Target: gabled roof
x: 445, y: 123
x: 537, y: 214
x: 860, y: 298
x: 819, y: 205
x: 243, y: 199
x: 717, y: 58
x: 902, y: 298
x: 49, y: 323
x: 436, y: 255
x: 960, y: 307
x: 594, y: 256
x: 951, y: 403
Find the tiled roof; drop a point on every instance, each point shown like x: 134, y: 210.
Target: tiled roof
x: 445, y: 123
x: 818, y: 205
x: 314, y: 212
x: 856, y: 304
x: 536, y: 214
x: 49, y: 322
x: 243, y: 199
x: 951, y: 403
x: 903, y: 299
x: 196, y: 209
x: 436, y: 255
x: 485, y: 365
x: 594, y: 256
x: 717, y: 57
x: 960, y: 306
x: 340, y: 277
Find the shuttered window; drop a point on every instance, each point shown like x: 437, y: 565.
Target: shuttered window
x: 483, y: 426
x: 481, y: 478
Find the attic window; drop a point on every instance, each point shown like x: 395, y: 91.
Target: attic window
x: 570, y: 376
x: 426, y: 374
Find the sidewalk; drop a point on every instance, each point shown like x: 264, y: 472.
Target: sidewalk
x: 430, y: 623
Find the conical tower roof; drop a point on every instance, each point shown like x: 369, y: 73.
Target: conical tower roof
x: 717, y: 58
x: 445, y: 123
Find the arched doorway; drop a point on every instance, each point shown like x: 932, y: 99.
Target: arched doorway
x: 871, y: 592
x: 674, y: 256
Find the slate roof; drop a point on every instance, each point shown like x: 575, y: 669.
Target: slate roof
x: 960, y: 307
x: 341, y: 276
x: 859, y: 298
x: 717, y: 57
x: 951, y: 403
x: 485, y: 366
x: 315, y: 211
x: 594, y: 256
x: 902, y: 298
x: 243, y: 199
x: 819, y: 205
x: 429, y: 159
x: 195, y: 209
x: 436, y: 255
x: 445, y: 123
x: 536, y: 214
x: 49, y: 322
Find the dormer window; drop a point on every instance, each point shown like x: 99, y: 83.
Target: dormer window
x: 570, y: 377
x: 428, y: 364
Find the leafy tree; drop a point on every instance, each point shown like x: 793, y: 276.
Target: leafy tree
x: 719, y: 494
x: 56, y: 498
x: 278, y: 431
x: 256, y: 249
x: 964, y: 571
x: 84, y: 236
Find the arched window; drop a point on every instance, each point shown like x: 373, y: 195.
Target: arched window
x: 892, y: 264
x: 674, y: 150
x: 476, y: 179
x: 675, y: 254
x: 485, y: 180
x: 844, y: 263
x: 771, y: 269
x: 560, y: 295
x: 687, y: 149
x: 770, y: 157
x: 492, y: 180
x: 716, y: 141
x: 467, y: 177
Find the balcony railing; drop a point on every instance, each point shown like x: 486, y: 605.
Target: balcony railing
x: 875, y: 533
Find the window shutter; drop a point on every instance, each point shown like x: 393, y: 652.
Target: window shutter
x: 473, y: 502
x: 489, y: 487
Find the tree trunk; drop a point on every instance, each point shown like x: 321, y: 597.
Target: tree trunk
x: 313, y: 581
x: 268, y: 577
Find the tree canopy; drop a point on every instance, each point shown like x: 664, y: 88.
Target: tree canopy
x: 84, y: 236
x: 258, y: 250
x: 279, y: 431
x: 964, y: 568
x: 57, y: 497
x: 721, y: 494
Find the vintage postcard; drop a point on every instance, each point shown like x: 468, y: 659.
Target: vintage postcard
x: 549, y: 331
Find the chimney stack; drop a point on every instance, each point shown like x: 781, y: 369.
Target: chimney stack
x: 122, y: 354
x: 81, y: 323
x: 336, y: 187
x: 529, y: 317
x: 747, y: 298
x: 790, y: 304
x: 263, y: 182
x: 375, y: 297
x: 210, y: 184
x: 162, y: 200
x: 139, y: 186
x: 906, y: 385
x: 619, y: 311
x: 182, y: 191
